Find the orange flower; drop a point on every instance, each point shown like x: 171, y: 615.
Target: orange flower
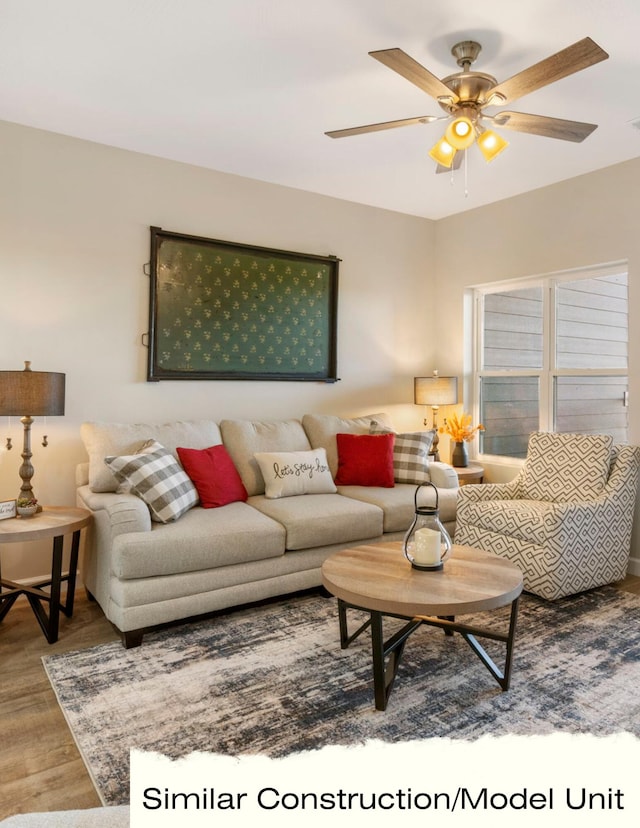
x: 460, y: 428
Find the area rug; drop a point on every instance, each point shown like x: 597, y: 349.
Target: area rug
x: 272, y: 680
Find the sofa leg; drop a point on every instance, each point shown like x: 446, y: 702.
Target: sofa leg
x: 132, y: 638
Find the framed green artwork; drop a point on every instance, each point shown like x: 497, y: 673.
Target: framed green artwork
x: 222, y: 310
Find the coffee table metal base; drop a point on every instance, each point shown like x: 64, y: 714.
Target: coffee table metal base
x: 388, y: 654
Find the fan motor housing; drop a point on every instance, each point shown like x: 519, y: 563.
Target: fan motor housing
x: 470, y: 87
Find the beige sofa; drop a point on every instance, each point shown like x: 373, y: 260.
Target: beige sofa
x: 144, y: 573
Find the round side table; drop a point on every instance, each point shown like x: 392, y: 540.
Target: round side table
x: 473, y: 473
x: 52, y: 522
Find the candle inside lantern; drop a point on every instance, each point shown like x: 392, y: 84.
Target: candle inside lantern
x: 426, y: 550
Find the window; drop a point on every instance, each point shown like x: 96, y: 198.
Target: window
x: 552, y: 355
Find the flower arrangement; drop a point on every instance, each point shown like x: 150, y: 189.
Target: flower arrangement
x: 459, y: 428
x: 25, y: 502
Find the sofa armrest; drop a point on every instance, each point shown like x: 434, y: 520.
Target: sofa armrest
x: 443, y: 475
x: 125, y: 512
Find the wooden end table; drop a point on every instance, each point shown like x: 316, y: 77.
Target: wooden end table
x: 379, y: 579
x: 471, y: 473
x: 52, y: 522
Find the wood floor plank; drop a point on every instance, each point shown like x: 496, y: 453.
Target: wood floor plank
x: 40, y: 766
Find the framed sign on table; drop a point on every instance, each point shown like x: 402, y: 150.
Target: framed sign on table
x: 7, y: 509
x: 222, y: 310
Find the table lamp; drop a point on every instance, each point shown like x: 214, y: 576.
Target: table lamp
x: 28, y: 394
x: 435, y: 391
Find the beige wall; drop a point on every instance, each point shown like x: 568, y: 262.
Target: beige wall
x: 589, y: 220
x: 74, y: 235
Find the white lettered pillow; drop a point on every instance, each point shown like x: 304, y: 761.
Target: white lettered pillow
x: 288, y: 473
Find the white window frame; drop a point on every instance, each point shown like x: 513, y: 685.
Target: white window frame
x: 549, y: 371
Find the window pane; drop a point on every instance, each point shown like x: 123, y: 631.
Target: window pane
x: 592, y: 323
x: 509, y: 413
x: 512, y: 324
x: 592, y: 405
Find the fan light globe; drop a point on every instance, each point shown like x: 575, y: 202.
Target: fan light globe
x: 443, y: 153
x: 460, y: 133
x: 491, y: 144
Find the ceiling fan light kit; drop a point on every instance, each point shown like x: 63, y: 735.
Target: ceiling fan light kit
x: 490, y: 143
x: 465, y: 95
x: 443, y: 153
x: 460, y: 133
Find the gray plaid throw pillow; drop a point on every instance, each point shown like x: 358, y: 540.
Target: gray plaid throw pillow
x: 410, y: 454
x: 156, y: 476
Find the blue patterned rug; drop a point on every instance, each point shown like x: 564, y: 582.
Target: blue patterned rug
x: 273, y: 680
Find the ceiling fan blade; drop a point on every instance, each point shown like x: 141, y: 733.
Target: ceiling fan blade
x: 574, y: 58
x: 457, y: 160
x: 414, y: 72
x: 344, y: 133
x: 542, y: 125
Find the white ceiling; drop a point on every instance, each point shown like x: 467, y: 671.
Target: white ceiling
x: 250, y: 86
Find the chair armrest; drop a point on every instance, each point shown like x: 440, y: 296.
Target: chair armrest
x: 625, y: 470
x: 492, y: 491
x: 610, y: 512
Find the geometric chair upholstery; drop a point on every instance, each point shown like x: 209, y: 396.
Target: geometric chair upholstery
x: 565, y: 521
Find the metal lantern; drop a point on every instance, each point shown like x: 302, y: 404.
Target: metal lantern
x: 427, y: 543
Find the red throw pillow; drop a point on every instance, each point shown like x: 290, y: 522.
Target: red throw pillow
x: 365, y: 460
x: 213, y: 474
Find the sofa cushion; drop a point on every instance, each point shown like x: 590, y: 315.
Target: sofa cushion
x: 566, y: 467
x: 365, y: 459
x: 108, y: 439
x: 244, y: 438
x: 410, y: 454
x: 288, y: 473
x: 321, y: 520
x: 398, y: 503
x: 202, y: 539
x: 321, y: 430
x: 213, y: 474
x: 155, y: 475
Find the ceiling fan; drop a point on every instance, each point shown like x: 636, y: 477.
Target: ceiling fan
x: 465, y: 95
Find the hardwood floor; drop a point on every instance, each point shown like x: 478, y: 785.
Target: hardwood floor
x: 40, y: 766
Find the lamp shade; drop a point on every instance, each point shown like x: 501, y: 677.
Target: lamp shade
x: 435, y: 390
x: 31, y: 393
x: 443, y: 153
x: 460, y: 133
x: 491, y: 144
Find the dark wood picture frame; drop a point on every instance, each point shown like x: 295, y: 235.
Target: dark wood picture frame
x: 222, y: 310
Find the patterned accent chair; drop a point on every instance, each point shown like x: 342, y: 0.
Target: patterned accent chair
x: 565, y: 520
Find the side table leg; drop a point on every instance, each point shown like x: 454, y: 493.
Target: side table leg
x: 67, y: 607
x: 50, y: 623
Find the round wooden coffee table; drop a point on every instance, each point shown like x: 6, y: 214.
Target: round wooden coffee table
x: 379, y: 579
